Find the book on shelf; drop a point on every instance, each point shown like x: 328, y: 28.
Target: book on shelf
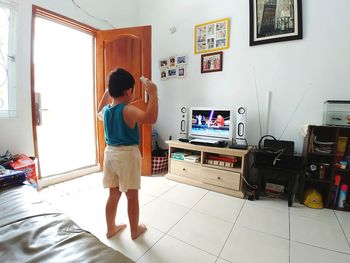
x: 321, y: 146
x: 220, y: 163
x: 192, y: 158
x: 223, y: 158
x: 179, y: 155
x: 342, y: 143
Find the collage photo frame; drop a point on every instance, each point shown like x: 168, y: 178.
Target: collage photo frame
x: 173, y: 67
x: 212, y: 36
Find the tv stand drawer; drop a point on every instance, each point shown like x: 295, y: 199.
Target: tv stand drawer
x: 221, y: 178
x: 186, y: 169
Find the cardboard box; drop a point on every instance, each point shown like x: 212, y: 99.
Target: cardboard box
x: 24, y: 163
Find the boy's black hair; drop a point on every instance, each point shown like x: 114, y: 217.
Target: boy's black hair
x: 120, y: 80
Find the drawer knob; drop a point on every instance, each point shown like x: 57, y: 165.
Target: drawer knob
x: 183, y: 169
x: 219, y: 177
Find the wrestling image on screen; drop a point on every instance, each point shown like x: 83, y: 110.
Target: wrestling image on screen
x: 212, y: 123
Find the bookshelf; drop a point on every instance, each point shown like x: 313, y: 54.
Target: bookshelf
x: 326, y: 148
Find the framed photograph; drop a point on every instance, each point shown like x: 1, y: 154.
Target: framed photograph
x: 181, y: 71
x: 181, y: 60
x: 172, y: 62
x: 211, y: 62
x: 274, y: 21
x: 163, y: 74
x: 212, y: 36
x: 163, y: 63
x: 172, y: 72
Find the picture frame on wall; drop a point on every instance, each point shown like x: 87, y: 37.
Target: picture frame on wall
x: 211, y: 62
x: 181, y: 60
x: 212, y: 36
x: 275, y: 21
x: 164, y: 63
x: 181, y: 71
x: 172, y: 61
x: 172, y: 72
x: 163, y: 74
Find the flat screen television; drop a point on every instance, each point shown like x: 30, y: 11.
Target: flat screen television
x: 210, y: 123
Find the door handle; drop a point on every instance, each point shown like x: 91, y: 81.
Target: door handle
x: 38, y: 109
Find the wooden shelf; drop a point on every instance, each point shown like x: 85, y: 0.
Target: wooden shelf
x: 322, y: 154
x: 233, y: 169
x: 345, y: 209
x: 316, y: 180
x: 342, y: 171
x: 223, y: 179
x: 180, y: 161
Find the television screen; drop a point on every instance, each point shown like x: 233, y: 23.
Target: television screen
x: 212, y: 123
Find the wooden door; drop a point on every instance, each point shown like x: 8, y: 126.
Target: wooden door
x: 128, y: 48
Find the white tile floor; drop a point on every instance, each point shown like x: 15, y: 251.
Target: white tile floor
x: 190, y: 224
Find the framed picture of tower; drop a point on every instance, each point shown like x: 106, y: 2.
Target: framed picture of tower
x: 275, y: 21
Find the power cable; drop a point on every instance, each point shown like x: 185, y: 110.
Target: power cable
x: 94, y: 17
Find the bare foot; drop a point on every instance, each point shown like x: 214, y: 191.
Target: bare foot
x: 115, y: 230
x: 140, y: 229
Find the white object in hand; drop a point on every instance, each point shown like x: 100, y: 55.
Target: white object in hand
x: 143, y: 79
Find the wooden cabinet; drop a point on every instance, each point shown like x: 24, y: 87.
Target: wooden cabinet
x: 325, y: 149
x: 212, y: 168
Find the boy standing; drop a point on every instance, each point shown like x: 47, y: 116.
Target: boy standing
x: 122, y: 158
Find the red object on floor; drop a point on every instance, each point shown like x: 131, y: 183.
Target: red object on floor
x: 26, y: 164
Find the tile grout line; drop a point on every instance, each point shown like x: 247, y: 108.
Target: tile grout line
x: 233, y: 225
x: 164, y: 234
x: 323, y: 248
x: 191, y: 209
x: 167, y: 233
x: 158, y: 197
x: 265, y: 233
x: 342, y: 229
x: 193, y: 246
x: 187, y: 212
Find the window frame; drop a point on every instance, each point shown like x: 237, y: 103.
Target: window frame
x: 11, y: 111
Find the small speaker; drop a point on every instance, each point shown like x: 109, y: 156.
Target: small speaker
x: 241, y: 119
x: 183, y: 122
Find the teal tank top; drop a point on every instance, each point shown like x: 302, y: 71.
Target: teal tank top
x: 117, y: 132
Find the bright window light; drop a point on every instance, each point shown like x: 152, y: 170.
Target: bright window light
x: 7, y: 60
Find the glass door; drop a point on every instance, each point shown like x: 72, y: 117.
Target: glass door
x: 63, y: 59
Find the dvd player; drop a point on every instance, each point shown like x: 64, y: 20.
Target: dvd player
x: 208, y: 142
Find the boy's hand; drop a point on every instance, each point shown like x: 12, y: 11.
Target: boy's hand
x: 150, y: 87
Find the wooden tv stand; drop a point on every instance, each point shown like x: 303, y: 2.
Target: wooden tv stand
x: 220, y: 176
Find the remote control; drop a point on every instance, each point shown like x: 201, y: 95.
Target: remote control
x: 143, y: 79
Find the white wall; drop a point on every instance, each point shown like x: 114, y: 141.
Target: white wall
x: 16, y: 133
x: 303, y: 72
x: 300, y: 74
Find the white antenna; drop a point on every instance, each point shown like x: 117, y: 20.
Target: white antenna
x: 268, y: 111
x: 295, y: 110
x: 257, y: 100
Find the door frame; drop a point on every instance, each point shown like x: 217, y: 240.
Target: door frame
x: 47, y: 14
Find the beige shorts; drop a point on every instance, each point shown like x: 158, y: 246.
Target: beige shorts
x: 122, y: 167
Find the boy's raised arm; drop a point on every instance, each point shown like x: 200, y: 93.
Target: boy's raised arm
x: 150, y: 115
x: 104, y: 101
